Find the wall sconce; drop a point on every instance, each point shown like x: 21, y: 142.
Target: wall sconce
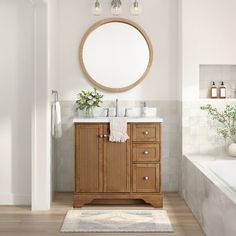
x: 116, y: 8
x: 135, y: 8
x: 97, y: 8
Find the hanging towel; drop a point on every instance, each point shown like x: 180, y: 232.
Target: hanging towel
x: 118, y: 129
x: 56, y: 120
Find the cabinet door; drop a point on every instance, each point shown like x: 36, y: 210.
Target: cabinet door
x: 88, y: 161
x: 146, y: 178
x: 116, y: 164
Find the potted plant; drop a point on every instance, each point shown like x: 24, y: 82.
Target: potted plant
x: 87, y: 100
x: 227, y: 120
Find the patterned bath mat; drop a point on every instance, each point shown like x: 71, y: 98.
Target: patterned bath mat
x: 117, y: 221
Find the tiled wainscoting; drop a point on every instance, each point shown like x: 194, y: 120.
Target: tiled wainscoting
x: 199, y: 131
x: 205, y: 195
x: 171, y: 151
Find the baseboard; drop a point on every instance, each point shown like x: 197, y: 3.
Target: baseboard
x: 15, y: 199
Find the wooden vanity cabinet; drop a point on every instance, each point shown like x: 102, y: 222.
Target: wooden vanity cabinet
x: 117, y: 171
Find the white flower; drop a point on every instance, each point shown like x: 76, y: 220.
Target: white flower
x: 94, y: 99
x: 90, y: 102
x: 90, y: 97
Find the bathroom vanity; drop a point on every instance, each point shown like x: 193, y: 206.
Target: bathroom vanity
x: 119, y: 172
x: 109, y: 171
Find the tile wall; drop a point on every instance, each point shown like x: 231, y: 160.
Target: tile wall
x: 199, y: 131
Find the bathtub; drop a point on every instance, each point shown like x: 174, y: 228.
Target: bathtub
x: 222, y: 173
x: 209, y: 189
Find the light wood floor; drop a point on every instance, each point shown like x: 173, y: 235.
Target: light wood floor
x: 21, y: 221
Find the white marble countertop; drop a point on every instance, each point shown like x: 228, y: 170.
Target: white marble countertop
x: 129, y: 120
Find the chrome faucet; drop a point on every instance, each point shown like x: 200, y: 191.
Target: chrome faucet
x: 117, y: 107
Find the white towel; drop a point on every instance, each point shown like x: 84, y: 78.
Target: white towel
x: 56, y: 120
x: 118, y: 129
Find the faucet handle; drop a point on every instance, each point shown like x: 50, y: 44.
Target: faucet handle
x: 117, y: 109
x: 107, y: 111
x: 126, y: 112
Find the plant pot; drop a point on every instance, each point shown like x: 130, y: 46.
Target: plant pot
x: 232, y: 149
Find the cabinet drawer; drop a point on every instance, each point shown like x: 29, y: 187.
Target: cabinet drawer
x: 146, y: 178
x: 146, y: 152
x: 146, y: 132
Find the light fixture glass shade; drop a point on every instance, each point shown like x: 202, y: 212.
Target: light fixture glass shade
x: 116, y: 8
x: 97, y: 8
x: 135, y: 8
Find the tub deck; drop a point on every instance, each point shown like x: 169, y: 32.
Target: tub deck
x: 211, y: 199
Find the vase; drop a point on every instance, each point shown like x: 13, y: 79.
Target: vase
x: 89, y: 113
x: 232, y: 149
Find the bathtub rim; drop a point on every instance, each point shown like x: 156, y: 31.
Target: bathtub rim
x: 212, y: 177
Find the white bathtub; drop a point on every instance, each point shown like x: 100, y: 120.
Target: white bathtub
x: 222, y: 173
x: 209, y: 189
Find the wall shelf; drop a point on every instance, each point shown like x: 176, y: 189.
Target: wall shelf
x: 218, y: 99
x: 217, y: 73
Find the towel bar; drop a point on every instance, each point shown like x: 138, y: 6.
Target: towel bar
x: 55, y: 93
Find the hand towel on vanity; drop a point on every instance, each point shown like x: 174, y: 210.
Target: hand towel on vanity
x: 56, y: 120
x: 118, y: 129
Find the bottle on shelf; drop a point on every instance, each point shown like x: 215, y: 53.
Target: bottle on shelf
x: 213, y: 91
x: 222, y: 90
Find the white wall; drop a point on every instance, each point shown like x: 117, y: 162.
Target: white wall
x: 52, y: 66
x: 16, y: 78
x: 208, y: 37
x: 159, y: 20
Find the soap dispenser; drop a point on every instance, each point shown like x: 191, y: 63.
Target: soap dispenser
x: 222, y: 90
x: 213, y: 90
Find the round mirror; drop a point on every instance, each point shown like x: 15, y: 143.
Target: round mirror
x: 115, y: 54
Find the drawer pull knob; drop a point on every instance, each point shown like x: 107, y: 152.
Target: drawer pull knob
x: 145, y: 178
x: 105, y: 136
x: 145, y: 132
x: 145, y: 152
x: 100, y: 136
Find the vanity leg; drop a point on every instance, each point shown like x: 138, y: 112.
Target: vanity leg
x: 80, y: 201
x: 155, y: 201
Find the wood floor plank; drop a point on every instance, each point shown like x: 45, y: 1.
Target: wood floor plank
x: 20, y: 221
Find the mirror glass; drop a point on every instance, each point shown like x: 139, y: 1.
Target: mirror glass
x: 116, y: 56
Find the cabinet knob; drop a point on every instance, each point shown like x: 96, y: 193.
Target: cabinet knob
x: 145, y: 178
x: 146, y: 132
x: 105, y: 136
x: 100, y: 136
x: 145, y: 152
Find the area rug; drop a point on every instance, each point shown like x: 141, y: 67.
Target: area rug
x: 117, y: 221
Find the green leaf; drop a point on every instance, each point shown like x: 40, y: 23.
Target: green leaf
x: 227, y: 120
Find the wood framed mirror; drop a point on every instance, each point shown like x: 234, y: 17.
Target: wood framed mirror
x: 115, y: 54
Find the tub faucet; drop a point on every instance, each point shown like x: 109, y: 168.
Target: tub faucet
x: 117, y: 107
